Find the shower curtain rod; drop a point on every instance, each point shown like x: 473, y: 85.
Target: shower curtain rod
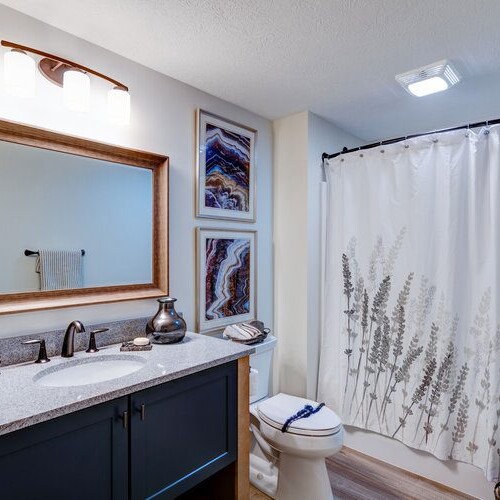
x: 326, y: 156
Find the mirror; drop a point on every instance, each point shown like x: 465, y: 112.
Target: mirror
x: 58, y: 202
x: 82, y: 222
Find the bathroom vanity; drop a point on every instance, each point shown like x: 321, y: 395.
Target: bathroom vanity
x: 177, y: 422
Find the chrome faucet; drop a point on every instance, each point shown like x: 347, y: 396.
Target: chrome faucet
x: 68, y: 347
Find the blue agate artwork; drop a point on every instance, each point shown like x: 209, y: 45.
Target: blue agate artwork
x: 227, y: 281
x: 227, y: 169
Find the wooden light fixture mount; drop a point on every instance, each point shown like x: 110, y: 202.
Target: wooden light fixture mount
x: 53, y: 67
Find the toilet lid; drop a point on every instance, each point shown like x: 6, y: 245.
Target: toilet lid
x: 275, y: 411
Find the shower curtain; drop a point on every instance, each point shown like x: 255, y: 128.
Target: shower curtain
x: 411, y: 326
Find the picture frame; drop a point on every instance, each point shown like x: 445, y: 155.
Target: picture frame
x: 226, y: 281
x: 225, y: 168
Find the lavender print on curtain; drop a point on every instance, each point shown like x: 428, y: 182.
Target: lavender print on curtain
x: 225, y: 180
x: 226, y: 270
x: 411, y: 338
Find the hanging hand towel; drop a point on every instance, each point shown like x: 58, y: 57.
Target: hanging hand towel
x: 60, y: 269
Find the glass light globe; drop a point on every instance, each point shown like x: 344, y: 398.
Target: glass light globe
x: 119, y: 106
x: 76, y: 90
x: 19, y: 73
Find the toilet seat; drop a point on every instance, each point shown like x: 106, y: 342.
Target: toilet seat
x: 276, y: 410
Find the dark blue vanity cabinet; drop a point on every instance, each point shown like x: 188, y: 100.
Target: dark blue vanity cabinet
x: 156, y: 443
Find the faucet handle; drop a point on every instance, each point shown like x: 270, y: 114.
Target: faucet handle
x: 42, y: 353
x: 92, y: 346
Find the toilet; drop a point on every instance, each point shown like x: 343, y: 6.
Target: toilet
x: 288, y: 465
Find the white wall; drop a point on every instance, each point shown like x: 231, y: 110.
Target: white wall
x: 162, y: 121
x: 69, y: 202
x: 298, y: 328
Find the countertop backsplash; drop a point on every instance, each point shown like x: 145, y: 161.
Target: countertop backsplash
x: 13, y: 352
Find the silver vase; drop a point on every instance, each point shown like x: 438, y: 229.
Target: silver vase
x: 166, y: 327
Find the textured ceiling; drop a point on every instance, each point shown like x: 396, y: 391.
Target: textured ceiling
x: 336, y: 58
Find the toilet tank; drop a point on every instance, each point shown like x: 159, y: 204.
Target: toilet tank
x: 262, y: 362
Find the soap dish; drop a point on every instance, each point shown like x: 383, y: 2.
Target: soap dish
x: 130, y: 346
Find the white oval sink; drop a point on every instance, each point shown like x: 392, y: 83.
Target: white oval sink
x: 89, y: 370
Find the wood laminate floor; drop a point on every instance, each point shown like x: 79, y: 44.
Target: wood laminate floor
x: 355, y: 476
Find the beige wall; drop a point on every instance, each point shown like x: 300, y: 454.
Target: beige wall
x: 290, y: 253
x: 299, y: 141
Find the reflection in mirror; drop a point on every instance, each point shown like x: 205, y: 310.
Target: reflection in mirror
x: 56, y: 205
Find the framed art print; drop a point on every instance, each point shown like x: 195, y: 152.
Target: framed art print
x: 225, y: 185
x: 226, y: 288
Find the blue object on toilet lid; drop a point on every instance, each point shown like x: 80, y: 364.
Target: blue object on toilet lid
x: 275, y: 411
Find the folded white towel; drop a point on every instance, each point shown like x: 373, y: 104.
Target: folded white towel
x: 241, y: 331
x: 60, y: 269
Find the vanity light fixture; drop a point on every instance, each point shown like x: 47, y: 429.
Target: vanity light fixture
x: 19, y: 78
x: 429, y: 79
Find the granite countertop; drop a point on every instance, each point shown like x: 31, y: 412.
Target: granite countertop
x: 24, y: 402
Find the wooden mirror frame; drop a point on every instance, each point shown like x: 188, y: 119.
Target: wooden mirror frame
x: 158, y: 164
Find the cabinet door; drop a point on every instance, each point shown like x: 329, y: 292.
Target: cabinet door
x: 183, y: 432
x: 83, y: 455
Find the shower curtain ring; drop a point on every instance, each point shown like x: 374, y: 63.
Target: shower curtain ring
x: 404, y: 143
x: 487, y: 131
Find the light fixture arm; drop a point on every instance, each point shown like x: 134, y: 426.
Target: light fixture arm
x: 61, y: 60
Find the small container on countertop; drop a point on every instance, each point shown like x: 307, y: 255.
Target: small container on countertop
x: 138, y: 344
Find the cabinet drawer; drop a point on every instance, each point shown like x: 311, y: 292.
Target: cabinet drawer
x: 183, y: 432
